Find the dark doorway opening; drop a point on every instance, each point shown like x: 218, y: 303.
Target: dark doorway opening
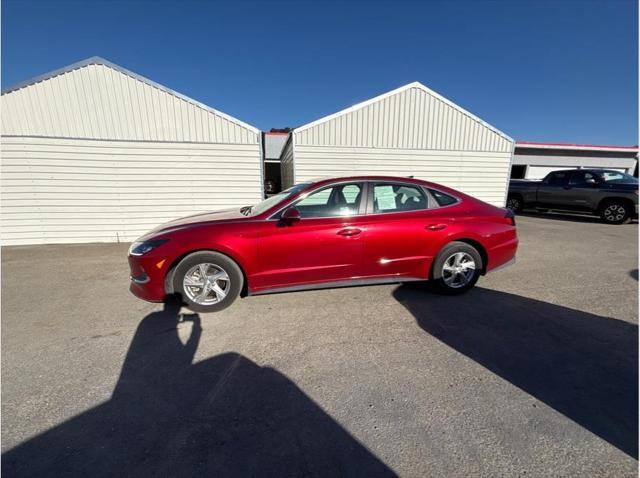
x: 272, y: 178
x: 518, y: 171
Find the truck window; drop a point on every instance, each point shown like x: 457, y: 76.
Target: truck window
x: 581, y: 178
x: 556, y: 179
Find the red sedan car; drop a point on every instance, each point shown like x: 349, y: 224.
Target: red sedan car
x: 327, y: 233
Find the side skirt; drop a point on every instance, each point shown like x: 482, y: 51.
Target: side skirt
x: 337, y: 284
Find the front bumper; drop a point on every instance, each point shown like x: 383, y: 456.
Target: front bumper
x: 147, y: 277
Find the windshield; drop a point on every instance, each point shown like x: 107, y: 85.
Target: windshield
x: 616, y: 177
x: 273, y: 200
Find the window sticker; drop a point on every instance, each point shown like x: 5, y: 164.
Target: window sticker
x: 386, y: 198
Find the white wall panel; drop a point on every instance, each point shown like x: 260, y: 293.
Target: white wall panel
x: 480, y: 174
x: 626, y: 164
x: 412, y: 117
x: 64, y: 191
x: 96, y: 99
x: 286, y: 166
x: 411, y: 131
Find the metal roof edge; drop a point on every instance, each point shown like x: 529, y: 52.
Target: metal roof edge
x: 97, y: 60
x: 414, y: 84
x: 94, y: 60
x: 575, y: 146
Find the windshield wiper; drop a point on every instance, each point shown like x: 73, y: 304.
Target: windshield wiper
x: 246, y: 210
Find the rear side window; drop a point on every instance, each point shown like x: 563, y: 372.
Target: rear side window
x: 556, y: 179
x: 442, y: 199
x: 581, y: 178
x: 391, y: 197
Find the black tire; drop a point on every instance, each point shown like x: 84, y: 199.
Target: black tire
x: 514, y: 202
x: 615, y: 212
x: 220, y: 262
x: 441, y: 281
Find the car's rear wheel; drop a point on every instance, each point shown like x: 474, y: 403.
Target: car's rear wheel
x: 208, y: 281
x: 456, y: 269
x: 615, y: 212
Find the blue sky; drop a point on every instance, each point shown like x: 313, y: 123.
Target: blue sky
x: 538, y: 70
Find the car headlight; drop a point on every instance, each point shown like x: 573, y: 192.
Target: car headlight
x: 141, y: 248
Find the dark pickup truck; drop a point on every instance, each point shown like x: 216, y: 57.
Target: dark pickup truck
x: 610, y: 194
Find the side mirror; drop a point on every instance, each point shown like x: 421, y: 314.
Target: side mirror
x: 291, y: 214
x: 591, y: 182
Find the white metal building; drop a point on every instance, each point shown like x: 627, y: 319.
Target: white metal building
x: 96, y: 153
x: 410, y: 131
x: 533, y: 160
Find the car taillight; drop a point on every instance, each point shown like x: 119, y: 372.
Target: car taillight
x: 510, y: 217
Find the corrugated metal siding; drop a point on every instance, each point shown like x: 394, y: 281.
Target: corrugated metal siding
x: 566, y: 162
x: 286, y: 166
x: 63, y: 191
x: 480, y: 174
x: 97, y: 101
x: 410, y: 119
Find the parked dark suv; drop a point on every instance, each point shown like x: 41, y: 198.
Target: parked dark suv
x: 607, y: 193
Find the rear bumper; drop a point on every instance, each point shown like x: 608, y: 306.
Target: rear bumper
x: 503, y: 255
x: 505, y: 265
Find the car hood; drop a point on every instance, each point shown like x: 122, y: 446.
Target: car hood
x: 224, y: 215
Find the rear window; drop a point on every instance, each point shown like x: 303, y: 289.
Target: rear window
x: 442, y: 199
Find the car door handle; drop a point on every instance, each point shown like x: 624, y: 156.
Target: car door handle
x: 349, y: 231
x: 435, y: 227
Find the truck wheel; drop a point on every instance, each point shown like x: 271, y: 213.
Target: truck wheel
x: 514, y: 202
x: 615, y: 212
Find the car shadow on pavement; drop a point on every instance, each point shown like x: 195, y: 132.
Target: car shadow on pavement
x: 168, y: 416
x: 582, y: 365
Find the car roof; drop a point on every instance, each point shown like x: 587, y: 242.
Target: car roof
x: 404, y: 179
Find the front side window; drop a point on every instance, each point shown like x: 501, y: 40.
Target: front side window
x: 390, y: 197
x: 332, y: 201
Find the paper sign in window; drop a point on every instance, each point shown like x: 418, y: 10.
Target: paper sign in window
x: 385, y: 197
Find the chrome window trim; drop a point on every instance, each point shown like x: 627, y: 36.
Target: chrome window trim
x: 368, y: 201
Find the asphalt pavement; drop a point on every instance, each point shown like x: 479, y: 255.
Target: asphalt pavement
x: 534, y: 372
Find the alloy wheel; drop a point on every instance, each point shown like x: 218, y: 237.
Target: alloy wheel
x: 614, y: 212
x: 458, y: 270
x: 206, y: 284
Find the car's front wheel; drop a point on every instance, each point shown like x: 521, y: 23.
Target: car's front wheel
x: 615, y: 212
x: 456, y: 269
x: 208, y: 281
